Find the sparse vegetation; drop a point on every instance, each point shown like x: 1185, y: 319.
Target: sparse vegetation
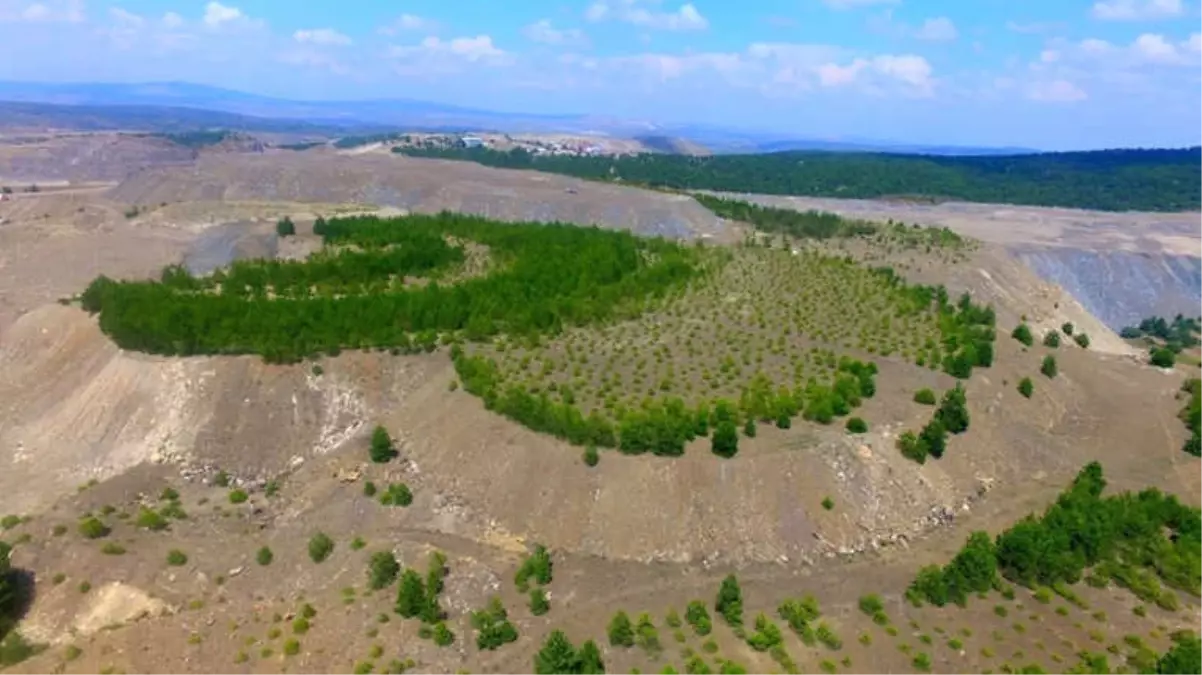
x: 620, y: 630
x: 177, y: 558
x: 539, y: 360
x: 925, y: 397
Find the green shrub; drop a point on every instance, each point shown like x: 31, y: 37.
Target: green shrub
x: 1026, y: 387
x: 382, y: 570
x: 92, y: 528
x: 591, y: 456
x: 151, y: 520
x: 264, y: 556
x: 924, y: 396
x: 1051, y: 339
x: 1022, y: 333
x: 397, y: 494
x: 539, y: 605
x: 698, y: 617
x: 856, y: 425
x: 1048, y: 367
x: 1067, y: 328
x: 177, y: 558
x: 238, y: 496
x: 443, y: 636
x: 828, y: 637
x: 1162, y: 357
x: 828, y: 503
x: 369, y: 489
x: 381, y: 450
x: 284, y: 227
x: 492, y: 625
x: 112, y: 548
x: 1082, y: 340
x: 536, y: 566
x: 871, y: 604
x: 320, y: 547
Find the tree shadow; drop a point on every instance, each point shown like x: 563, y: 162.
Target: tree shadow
x: 23, y: 583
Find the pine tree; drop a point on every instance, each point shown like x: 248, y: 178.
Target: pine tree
x: 411, y: 598
x: 381, y: 446
x: 730, y: 601
x: 725, y: 441
x: 557, y: 655
x: 621, y: 632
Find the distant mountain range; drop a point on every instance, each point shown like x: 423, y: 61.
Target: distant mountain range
x: 176, y: 106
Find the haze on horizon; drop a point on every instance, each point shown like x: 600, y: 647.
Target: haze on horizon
x: 1061, y: 74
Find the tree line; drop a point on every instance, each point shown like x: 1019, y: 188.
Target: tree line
x: 345, y: 297
x: 1108, y: 180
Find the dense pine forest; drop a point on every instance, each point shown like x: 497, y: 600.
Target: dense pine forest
x: 1108, y: 180
x: 354, y: 295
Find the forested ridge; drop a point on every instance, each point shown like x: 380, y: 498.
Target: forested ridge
x: 1109, y: 180
x: 1137, y: 541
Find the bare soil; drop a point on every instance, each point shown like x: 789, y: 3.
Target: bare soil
x: 86, y: 427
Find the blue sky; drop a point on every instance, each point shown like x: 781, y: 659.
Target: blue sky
x: 1052, y: 74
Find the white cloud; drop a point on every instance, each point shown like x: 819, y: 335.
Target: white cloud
x: 125, y: 17
x: 321, y: 36
x: 172, y: 20
x: 1136, y: 10
x: 217, y: 14
x: 1155, y: 48
x: 434, y: 57
x: 935, y: 29
x: 1147, y: 49
x: 50, y: 11
x: 686, y: 17
x: 542, y: 31
x: 408, y: 22
x: 938, y: 29
x: 1056, y: 91
x: 1031, y: 27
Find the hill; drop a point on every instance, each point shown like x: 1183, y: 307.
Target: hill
x: 1109, y: 180
x: 368, y: 440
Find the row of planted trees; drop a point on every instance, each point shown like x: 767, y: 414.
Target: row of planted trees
x: 664, y: 427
